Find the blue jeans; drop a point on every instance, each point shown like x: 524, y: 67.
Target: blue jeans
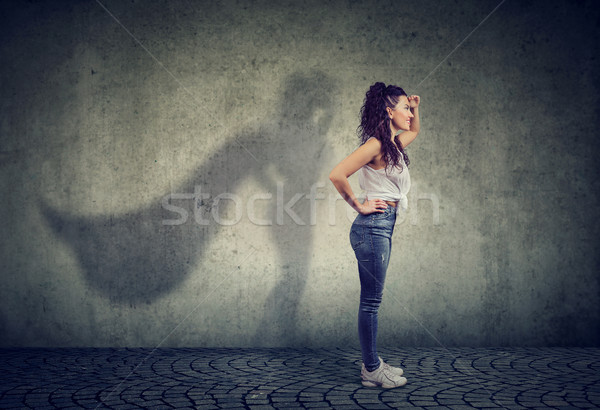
x: 371, y: 240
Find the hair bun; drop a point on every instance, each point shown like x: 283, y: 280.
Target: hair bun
x: 378, y: 89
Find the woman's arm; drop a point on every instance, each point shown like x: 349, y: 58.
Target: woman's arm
x: 349, y: 165
x: 407, y: 137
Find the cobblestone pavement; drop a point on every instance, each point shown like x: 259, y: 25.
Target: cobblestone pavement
x: 297, y: 378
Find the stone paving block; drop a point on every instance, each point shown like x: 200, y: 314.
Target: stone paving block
x: 449, y: 394
x: 364, y: 402
x: 341, y: 402
x: 285, y: 399
x: 306, y: 399
x: 449, y: 402
x: 231, y: 405
x: 178, y: 402
x: 204, y: 402
x: 374, y: 406
x: 278, y: 395
x: 257, y: 402
x: 583, y: 405
x: 480, y: 404
x: 87, y: 404
x: 424, y: 403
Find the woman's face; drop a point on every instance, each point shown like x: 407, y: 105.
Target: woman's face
x: 400, y: 115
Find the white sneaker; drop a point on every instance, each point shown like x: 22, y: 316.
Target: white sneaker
x: 396, y: 370
x: 382, y: 376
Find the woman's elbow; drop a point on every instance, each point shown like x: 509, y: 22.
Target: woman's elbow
x: 334, y: 177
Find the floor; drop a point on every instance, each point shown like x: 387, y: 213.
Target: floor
x: 456, y: 378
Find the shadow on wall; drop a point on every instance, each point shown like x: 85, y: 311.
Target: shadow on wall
x: 135, y: 258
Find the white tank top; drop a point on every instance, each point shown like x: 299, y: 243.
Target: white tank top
x: 392, y: 186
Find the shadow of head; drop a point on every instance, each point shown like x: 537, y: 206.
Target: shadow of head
x: 308, y: 101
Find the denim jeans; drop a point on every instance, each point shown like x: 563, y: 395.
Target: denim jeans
x: 371, y: 240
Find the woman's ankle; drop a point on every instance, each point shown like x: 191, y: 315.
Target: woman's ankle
x: 376, y: 367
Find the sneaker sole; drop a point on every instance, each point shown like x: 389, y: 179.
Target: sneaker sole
x: 368, y: 383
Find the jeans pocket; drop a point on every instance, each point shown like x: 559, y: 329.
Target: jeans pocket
x: 357, y: 237
x: 375, y: 216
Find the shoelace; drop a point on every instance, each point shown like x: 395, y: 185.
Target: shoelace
x: 388, y: 367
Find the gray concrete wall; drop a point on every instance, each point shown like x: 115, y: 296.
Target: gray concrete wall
x: 164, y: 172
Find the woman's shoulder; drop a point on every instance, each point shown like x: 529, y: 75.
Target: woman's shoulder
x: 374, y: 142
x: 372, y: 149
x: 372, y: 145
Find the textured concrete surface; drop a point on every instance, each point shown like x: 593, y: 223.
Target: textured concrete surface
x: 163, y: 172
x: 511, y: 378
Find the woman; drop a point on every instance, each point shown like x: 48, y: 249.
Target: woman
x: 389, y: 122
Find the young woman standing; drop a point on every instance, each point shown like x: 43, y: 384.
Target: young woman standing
x: 389, y: 122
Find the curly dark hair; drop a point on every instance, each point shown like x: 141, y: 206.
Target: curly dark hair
x: 374, y: 121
